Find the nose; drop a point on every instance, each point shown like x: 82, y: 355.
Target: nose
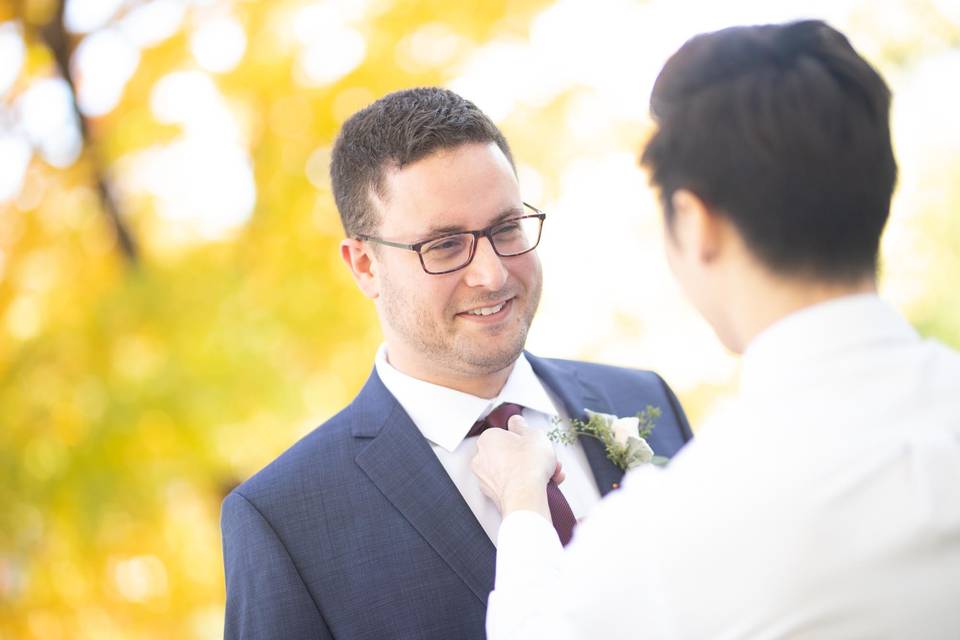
x: 487, y: 269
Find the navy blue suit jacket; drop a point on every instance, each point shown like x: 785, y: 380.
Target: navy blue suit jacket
x: 357, y: 532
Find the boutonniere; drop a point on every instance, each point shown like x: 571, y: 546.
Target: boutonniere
x: 625, y: 439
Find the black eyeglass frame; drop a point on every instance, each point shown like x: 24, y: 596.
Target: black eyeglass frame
x: 480, y: 233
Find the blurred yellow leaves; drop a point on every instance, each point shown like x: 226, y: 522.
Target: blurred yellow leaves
x: 135, y: 393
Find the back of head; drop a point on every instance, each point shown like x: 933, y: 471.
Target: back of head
x: 396, y: 130
x: 784, y: 130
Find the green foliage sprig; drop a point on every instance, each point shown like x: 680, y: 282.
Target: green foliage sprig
x: 625, y: 454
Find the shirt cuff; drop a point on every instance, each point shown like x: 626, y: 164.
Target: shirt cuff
x: 529, y: 555
x: 529, y: 552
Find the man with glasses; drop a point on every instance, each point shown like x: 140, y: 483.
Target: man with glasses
x: 373, y: 526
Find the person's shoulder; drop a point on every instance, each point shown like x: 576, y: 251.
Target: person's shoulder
x: 600, y: 372
x: 936, y: 372
x: 944, y: 359
x: 317, y: 455
x: 627, y: 391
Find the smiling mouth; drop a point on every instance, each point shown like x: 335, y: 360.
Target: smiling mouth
x: 486, y: 312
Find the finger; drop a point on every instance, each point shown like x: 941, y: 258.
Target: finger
x: 477, y: 466
x: 516, y: 424
x: 494, y: 439
x: 558, y: 474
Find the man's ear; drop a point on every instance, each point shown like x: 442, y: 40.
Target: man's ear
x: 359, y: 258
x: 695, y: 229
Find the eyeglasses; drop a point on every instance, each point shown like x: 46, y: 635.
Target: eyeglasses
x: 449, y: 253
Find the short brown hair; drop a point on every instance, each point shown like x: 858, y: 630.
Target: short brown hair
x: 396, y: 130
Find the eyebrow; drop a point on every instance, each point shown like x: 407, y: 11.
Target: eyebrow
x: 438, y: 231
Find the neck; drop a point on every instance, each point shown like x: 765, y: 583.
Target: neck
x: 481, y: 384
x: 764, y: 299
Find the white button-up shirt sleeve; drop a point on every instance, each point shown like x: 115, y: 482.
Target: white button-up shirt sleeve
x: 528, y: 565
x: 544, y: 591
x: 823, y: 503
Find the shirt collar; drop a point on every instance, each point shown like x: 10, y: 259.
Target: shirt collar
x: 812, y: 336
x: 444, y: 415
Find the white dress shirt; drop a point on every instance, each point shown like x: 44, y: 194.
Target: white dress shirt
x: 825, y: 503
x: 444, y: 416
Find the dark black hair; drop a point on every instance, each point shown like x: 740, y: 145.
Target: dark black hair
x: 783, y: 129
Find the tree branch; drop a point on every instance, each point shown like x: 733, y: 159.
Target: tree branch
x: 54, y: 34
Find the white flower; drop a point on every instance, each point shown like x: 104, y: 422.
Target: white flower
x: 626, y: 429
x: 620, y: 436
x: 623, y: 428
x: 639, y: 451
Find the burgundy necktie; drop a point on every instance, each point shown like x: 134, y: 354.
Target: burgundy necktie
x: 560, y: 512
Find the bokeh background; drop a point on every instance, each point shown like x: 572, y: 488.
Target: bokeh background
x: 173, y: 313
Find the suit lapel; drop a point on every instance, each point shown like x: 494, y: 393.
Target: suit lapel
x: 401, y: 464
x: 577, y: 396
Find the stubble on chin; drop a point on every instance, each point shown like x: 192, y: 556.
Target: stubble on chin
x: 448, y: 347
x: 479, y: 356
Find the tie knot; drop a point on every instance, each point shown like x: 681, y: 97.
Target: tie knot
x: 496, y: 419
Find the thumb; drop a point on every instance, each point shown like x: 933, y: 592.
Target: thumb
x: 516, y: 424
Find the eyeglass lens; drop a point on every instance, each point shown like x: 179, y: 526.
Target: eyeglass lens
x: 452, y: 252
